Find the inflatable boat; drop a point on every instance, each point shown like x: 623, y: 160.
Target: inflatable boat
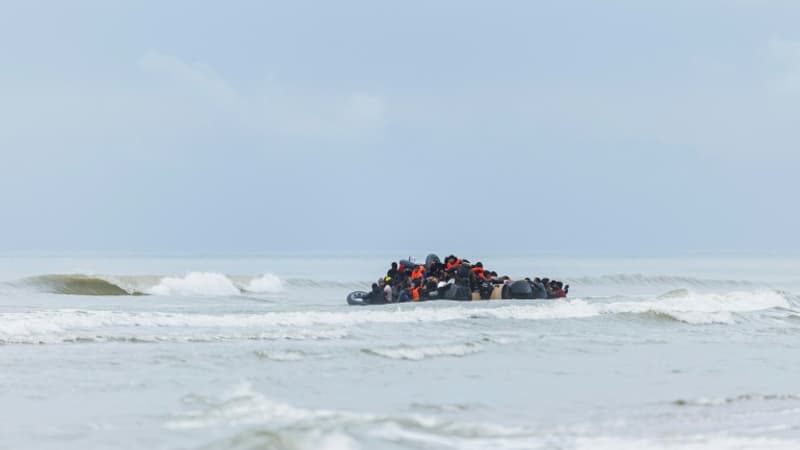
x: 521, y: 289
x: 518, y: 290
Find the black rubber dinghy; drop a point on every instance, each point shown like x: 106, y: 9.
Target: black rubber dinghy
x: 357, y: 298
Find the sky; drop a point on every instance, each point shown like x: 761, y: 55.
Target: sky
x: 585, y: 127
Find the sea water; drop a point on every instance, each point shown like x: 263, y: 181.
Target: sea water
x: 262, y: 352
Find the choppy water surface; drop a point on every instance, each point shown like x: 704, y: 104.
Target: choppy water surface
x: 263, y: 352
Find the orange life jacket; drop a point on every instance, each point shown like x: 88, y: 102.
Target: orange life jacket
x: 456, y: 263
x: 419, y: 272
x: 415, y: 294
x: 479, y: 272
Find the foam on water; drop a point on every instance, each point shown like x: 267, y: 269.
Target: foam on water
x: 277, y: 355
x: 55, y: 325
x: 265, y: 284
x: 417, y: 353
x: 196, y: 284
x: 265, y: 423
x: 688, y: 307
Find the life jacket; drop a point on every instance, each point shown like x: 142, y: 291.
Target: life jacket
x: 419, y: 272
x: 415, y: 294
x: 452, y: 265
x: 479, y: 272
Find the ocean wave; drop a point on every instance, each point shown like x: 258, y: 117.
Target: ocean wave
x: 684, y: 443
x: 265, y: 284
x: 65, y: 326
x: 209, y: 284
x: 418, y: 353
x: 281, y: 355
x: 637, y: 279
x: 685, y: 306
x: 281, y: 425
x: 53, y: 325
x: 77, y: 284
x: 719, y: 401
x: 197, y: 284
x: 261, y: 422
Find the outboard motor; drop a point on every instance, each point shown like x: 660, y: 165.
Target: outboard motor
x: 430, y: 260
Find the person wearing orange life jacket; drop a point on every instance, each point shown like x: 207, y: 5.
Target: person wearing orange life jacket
x: 415, y: 294
x: 418, y: 273
x: 452, y: 263
x: 477, y: 269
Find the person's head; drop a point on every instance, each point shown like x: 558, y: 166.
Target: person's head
x: 479, y: 264
x: 381, y: 282
x: 394, y: 265
x: 374, y: 286
x: 537, y: 279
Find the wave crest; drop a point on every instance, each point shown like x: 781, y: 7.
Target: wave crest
x: 418, y: 353
x: 200, y: 284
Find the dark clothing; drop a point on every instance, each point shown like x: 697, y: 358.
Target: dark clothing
x: 375, y: 297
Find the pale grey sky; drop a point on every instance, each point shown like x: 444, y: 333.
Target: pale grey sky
x: 586, y: 127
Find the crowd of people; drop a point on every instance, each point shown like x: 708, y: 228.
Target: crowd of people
x: 408, y: 281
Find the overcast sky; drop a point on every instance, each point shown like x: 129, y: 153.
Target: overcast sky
x: 614, y: 127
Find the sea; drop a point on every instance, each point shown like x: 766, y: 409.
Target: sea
x: 262, y: 352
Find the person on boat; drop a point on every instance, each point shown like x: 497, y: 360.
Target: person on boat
x: 429, y: 288
x: 405, y: 293
x: 392, y: 272
x: 375, y: 296
x: 561, y: 291
x: 387, y: 290
x: 418, y: 273
x: 478, y: 270
x: 452, y: 263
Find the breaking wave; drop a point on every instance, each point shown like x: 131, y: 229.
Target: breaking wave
x: 199, y: 284
x: 64, y: 324
x: 260, y: 422
x: 719, y: 401
x: 636, y: 279
x: 75, y: 285
x: 418, y: 353
x: 281, y: 355
x: 218, y: 284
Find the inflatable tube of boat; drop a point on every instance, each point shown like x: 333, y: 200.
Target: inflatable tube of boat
x: 407, y: 263
x: 539, y: 292
x: 456, y: 292
x: 497, y: 292
x: 521, y: 289
x: 357, y: 298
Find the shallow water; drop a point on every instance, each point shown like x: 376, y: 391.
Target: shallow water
x: 262, y: 352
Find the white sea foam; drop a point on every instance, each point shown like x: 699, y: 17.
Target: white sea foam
x: 693, y: 308
x: 265, y: 284
x: 685, y: 443
x: 274, y: 424
x: 280, y: 355
x: 196, y: 284
x: 54, y: 325
x: 417, y: 353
